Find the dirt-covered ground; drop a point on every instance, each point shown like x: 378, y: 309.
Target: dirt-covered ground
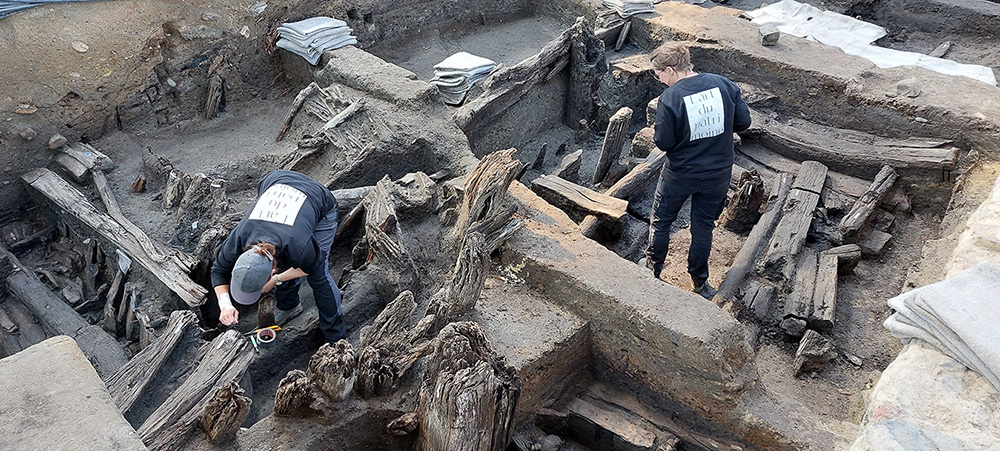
x: 115, y: 65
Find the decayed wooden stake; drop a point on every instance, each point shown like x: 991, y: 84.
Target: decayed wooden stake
x: 300, y: 99
x: 614, y: 139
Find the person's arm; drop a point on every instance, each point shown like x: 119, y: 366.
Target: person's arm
x: 663, y: 130
x: 222, y: 270
x: 227, y: 313
x: 285, y: 276
x: 741, y: 116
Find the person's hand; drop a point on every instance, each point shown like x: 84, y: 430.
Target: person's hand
x: 229, y: 316
x: 270, y: 282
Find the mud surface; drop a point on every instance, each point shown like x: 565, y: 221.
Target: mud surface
x: 239, y: 146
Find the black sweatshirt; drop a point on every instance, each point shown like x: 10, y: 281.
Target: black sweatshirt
x: 695, y: 121
x: 289, y: 205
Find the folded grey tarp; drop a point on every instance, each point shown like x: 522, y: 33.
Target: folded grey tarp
x: 12, y: 6
x: 958, y: 316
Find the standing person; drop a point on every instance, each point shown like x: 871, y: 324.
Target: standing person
x: 287, y: 235
x: 695, y: 120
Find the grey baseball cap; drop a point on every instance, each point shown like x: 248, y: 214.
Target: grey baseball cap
x: 250, y: 273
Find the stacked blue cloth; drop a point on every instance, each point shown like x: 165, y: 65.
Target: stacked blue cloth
x: 311, y: 37
x: 457, y: 73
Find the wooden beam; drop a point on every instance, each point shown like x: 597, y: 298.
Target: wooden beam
x: 128, y: 383
x: 636, y: 180
x: 226, y: 359
x: 856, y: 219
x: 80, y: 159
x: 225, y: 413
x: 824, y: 299
x: 755, y: 242
x: 58, y: 318
x: 799, y: 303
x: 851, y: 151
x: 848, y: 257
x: 578, y: 201
x: 172, y: 269
x: 614, y: 140
x: 469, y: 393
x: 569, y: 167
x: 790, y: 233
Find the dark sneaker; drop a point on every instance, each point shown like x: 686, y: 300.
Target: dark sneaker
x: 644, y: 261
x: 706, y: 290
x: 282, y: 316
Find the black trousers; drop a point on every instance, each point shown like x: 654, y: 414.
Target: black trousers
x: 708, y: 198
x: 286, y: 296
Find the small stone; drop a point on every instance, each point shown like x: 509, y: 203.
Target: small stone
x: 56, y: 141
x: 171, y: 82
x: 855, y: 360
x: 920, y: 120
x: 551, y: 443
x: 72, y: 295
x: 80, y: 46
x: 258, y: 8
x: 25, y: 108
x: 909, y: 87
x: 814, y: 352
x: 891, y: 94
x: 28, y: 134
x: 769, y: 34
x: 245, y: 32
x: 210, y: 16
x: 8, y: 168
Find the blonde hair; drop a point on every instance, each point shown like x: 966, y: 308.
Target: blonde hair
x: 672, y: 54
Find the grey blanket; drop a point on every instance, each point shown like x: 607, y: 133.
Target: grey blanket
x: 959, y: 316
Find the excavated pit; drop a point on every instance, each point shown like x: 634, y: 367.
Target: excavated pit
x: 556, y: 338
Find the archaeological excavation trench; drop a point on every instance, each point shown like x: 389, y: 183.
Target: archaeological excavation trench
x: 487, y: 252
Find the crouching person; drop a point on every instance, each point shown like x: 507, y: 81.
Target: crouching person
x: 285, y: 237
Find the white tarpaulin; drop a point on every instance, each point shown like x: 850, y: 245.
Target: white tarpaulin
x: 855, y: 37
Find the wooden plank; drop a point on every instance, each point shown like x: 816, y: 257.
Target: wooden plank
x: 824, y: 299
x: 874, y: 243
x: 58, y: 318
x: 811, y: 177
x: 578, y: 201
x: 112, y: 299
x: 856, y: 219
x: 614, y: 140
x: 569, y: 167
x: 226, y: 359
x: 506, y: 85
x: 691, y: 438
x: 764, y: 161
x: 128, y: 383
x: 848, y: 257
x: 172, y: 271
x: 755, y: 242
x: 29, y: 328
x: 851, y: 151
x: 799, y: 302
x: 624, y: 430
x: 790, y: 233
x: 10, y: 335
x: 636, y: 180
